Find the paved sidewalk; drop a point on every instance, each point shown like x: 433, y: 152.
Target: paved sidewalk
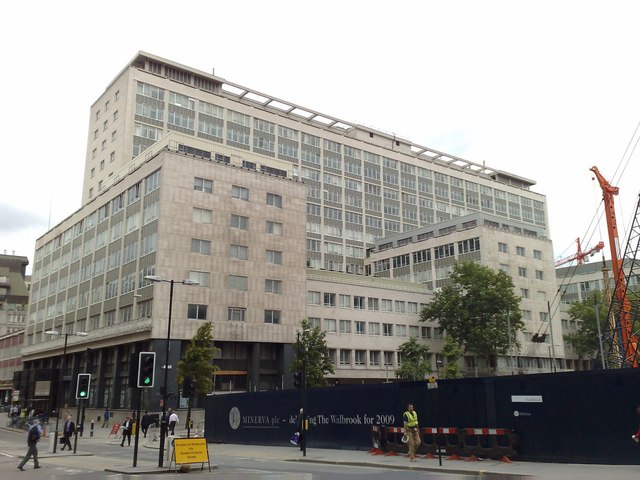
x: 483, y: 468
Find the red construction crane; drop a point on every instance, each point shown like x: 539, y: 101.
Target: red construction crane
x: 580, y: 255
x: 626, y: 338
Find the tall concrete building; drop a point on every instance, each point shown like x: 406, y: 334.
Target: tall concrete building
x: 14, y: 299
x: 189, y: 176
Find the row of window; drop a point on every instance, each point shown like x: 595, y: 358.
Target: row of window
x: 270, y: 139
x: 330, y: 299
x: 360, y: 327
x: 520, y: 251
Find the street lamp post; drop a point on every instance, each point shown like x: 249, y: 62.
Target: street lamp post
x: 60, y: 377
x: 163, y: 425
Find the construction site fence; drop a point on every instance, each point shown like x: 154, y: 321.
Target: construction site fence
x: 456, y: 443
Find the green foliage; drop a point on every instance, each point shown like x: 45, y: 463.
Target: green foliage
x: 451, y: 352
x: 311, y: 349
x: 198, y: 361
x: 476, y: 310
x: 585, y: 339
x: 414, y: 365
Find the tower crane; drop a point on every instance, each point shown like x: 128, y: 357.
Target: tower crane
x: 625, y: 339
x: 580, y: 256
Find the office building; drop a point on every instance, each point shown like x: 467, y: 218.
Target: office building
x: 189, y: 176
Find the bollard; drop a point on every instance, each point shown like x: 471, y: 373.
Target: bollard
x: 91, y: 431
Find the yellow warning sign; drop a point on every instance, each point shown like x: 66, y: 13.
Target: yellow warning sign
x: 191, y: 450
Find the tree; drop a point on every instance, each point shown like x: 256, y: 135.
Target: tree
x: 585, y: 340
x: 311, y: 350
x: 451, y: 352
x: 414, y: 365
x: 198, y: 362
x: 478, y: 309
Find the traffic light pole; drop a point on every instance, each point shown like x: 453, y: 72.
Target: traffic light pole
x: 75, y: 436
x: 137, y: 423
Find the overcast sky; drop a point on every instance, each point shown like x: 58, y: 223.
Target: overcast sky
x: 542, y: 89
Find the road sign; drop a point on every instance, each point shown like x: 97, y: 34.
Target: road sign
x: 432, y: 383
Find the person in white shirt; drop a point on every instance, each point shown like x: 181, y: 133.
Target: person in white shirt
x: 173, y: 420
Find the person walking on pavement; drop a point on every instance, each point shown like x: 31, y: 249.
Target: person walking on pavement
x: 33, y: 437
x: 146, y: 421
x: 107, y: 415
x: 67, y: 432
x: 410, y: 418
x: 300, y: 429
x: 173, y: 420
x: 126, y: 431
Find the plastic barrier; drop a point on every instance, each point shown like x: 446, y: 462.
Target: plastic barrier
x: 393, y: 436
x: 497, y: 443
x: 446, y: 438
x: 377, y: 441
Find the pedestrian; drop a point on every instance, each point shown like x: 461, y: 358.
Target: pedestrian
x: 636, y: 436
x: 106, y: 417
x: 33, y: 437
x: 67, y: 432
x: 300, y: 429
x: 126, y: 431
x: 146, y: 421
x: 410, y: 418
x: 173, y: 420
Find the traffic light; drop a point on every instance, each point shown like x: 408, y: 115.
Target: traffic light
x: 298, y: 379
x: 188, y: 386
x: 146, y: 369
x: 82, y: 388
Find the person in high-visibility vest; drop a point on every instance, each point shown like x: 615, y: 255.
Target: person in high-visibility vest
x: 410, y: 418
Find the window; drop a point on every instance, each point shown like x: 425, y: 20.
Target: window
x: 202, y: 185
x: 238, y: 221
x: 236, y: 314
x: 387, y: 329
x: 200, y: 277
x: 359, y: 327
x: 201, y: 246
x: 373, y: 303
x: 524, y: 292
x: 388, y: 359
x: 345, y: 357
x: 330, y: 325
x: 274, y: 228
x: 401, y: 306
x: 358, y: 302
x: 241, y: 193
x: 539, y: 275
x: 201, y: 215
x: 329, y: 299
x: 502, y: 247
x: 374, y: 328
x: 273, y: 286
x: 387, y: 305
x: 272, y: 316
x: 274, y: 200
x: 273, y: 256
x: 345, y: 326
x: 522, y: 272
x: 238, y: 282
x: 401, y: 331
x: 520, y: 251
x: 196, y: 312
x: 313, y: 298
x: 537, y: 254
x: 240, y: 252
x: 361, y: 357
x: 374, y: 358
x: 345, y: 301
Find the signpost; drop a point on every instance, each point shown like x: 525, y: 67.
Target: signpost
x: 432, y: 384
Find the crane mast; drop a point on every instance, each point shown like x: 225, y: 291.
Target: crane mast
x: 625, y: 340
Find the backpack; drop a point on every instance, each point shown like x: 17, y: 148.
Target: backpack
x: 34, y: 435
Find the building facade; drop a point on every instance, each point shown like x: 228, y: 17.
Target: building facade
x: 188, y: 176
x: 14, y: 299
x: 426, y: 255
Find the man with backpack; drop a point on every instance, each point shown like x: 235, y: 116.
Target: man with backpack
x: 33, y: 437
